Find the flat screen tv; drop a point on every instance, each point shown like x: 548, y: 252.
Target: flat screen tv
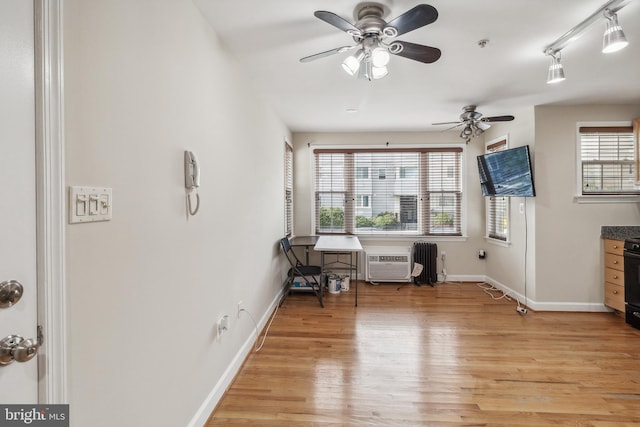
x: 507, y: 173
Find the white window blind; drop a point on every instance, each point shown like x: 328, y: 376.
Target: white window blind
x: 607, y: 156
x: 383, y: 191
x: 288, y: 189
x: 497, y: 207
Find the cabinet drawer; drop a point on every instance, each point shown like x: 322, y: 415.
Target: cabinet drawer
x: 614, y: 296
x: 614, y: 276
x: 614, y: 261
x: 614, y: 246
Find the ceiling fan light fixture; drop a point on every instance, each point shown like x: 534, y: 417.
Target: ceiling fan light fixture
x: 556, y: 71
x: 378, y: 72
x: 483, y: 126
x: 613, y: 39
x: 466, y: 132
x: 351, y: 64
x: 380, y: 57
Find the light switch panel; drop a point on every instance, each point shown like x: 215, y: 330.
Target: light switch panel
x: 90, y: 204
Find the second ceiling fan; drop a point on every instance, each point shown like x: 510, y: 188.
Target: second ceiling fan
x: 473, y: 122
x: 371, y: 33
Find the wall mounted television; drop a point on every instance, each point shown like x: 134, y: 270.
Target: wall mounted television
x: 507, y: 173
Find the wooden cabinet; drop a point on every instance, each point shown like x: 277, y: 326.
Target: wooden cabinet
x: 614, y: 274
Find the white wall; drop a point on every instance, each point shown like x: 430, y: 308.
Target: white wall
x: 511, y: 265
x: 554, y: 257
x: 568, y: 247
x: 144, y: 81
x: 461, y: 257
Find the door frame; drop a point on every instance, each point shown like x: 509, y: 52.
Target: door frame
x: 50, y: 200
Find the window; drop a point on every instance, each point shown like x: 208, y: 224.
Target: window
x: 288, y: 189
x: 408, y: 172
x: 415, y: 191
x: 362, y: 201
x: 607, y: 160
x: 497, y: 207
x: 362, y: 173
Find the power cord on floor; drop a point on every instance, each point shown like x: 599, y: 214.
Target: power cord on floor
x: 257, y: 348
x: 488, y: 289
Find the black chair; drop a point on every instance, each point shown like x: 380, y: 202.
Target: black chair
x: 309, y: 273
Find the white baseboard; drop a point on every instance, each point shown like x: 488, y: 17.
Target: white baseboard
x: 548, y: 306
x: 461, y: 278
x: 204, y: 412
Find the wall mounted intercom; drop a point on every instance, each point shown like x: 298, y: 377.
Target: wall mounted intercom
x: 191, y: 180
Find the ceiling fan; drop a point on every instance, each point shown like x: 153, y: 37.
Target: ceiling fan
x: 473, y: 122
x: 371, y: 33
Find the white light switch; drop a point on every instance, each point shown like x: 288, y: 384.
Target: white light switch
x: 90, y: 204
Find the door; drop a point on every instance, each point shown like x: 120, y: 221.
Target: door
x: 19, y: 381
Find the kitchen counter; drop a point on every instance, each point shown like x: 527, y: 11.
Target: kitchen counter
x: 619, y: 232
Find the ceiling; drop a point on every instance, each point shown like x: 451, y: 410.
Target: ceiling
x: 507, y: 75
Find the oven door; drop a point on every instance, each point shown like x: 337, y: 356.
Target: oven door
x: 632, y: 278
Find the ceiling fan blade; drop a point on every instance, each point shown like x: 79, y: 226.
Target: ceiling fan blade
x: 419, y: 16
x: 447, y: 123
x: 417, y: 52
x: 336, y: 21
x: 453, y: 127
x: 497, y: 119
x: 326, y: 53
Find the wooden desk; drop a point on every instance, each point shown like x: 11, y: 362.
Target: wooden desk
x: 340, y: 245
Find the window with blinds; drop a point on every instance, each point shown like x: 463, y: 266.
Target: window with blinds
x: 288, y: 189
x: 607, y: 160
x: 388, y: 191
x: 497, y: 207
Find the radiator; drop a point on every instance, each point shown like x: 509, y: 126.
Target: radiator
x: 426, y: 253
x: 388, y: 264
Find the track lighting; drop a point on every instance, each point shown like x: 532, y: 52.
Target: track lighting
x: 613, y: 39
x: 556, y: 71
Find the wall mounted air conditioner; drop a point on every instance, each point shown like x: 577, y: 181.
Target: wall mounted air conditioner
x: 391, y: 264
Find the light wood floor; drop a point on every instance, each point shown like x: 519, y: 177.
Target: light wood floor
x: 443, y: 356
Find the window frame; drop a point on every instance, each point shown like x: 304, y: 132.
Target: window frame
x: 491, y: 202
x: 424, y: 230
x: 288, y: 189
x: 611, y: 197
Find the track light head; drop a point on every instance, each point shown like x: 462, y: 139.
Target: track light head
x: 556, y: 71
x: 613, y: 39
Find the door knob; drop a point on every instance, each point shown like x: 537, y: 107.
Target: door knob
x: 15, y: 348
x: 10, y: 293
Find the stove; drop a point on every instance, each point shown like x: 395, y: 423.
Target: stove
x: 632, y: 281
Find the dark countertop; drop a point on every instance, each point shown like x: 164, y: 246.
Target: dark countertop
x: 619, y: 232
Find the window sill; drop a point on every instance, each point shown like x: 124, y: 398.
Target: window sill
x: 407, y: 238
x: 496, y: 242
x: 607, y: 199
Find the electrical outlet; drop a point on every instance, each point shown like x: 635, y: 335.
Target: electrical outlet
x: 223, y: 325
x: 443, y: 255
x: 240, y: 308
x: 521, y: 310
